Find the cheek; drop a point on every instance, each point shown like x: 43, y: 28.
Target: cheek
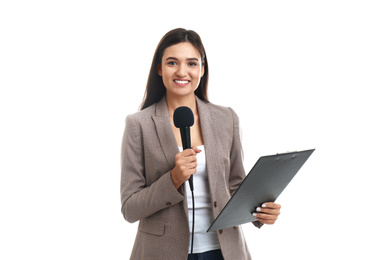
x: 165, y: 74
x: 196, y: 73
x: 166, y: 81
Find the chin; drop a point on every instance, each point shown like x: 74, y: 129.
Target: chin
x: 182, y: 93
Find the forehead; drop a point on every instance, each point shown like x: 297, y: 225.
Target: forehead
x: 182, y: 50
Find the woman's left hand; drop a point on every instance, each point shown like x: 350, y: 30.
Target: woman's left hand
x: 267, y: 213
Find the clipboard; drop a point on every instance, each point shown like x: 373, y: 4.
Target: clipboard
x: 264, y: 183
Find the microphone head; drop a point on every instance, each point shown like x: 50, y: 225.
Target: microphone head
x: 183, y: 117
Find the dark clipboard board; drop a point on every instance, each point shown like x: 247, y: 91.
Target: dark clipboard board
x: 264, y: 183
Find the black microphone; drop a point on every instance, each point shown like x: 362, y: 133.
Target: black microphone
x: 183, y: 118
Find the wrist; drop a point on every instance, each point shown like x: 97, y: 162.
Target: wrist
x: 175, y: 182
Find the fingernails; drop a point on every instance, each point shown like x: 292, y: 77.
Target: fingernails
x: 258, y: 209
x: 254, y: 214
x: 263, y: 206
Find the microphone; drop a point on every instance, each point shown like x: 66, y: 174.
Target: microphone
x: 183, y: 118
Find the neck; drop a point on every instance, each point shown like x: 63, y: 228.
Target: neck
x: 175, y: 102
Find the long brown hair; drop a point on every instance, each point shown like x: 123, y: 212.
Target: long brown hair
x: 155, y: 88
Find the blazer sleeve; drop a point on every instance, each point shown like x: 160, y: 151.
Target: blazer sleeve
x: 139, y: 200
x: 237, y: 171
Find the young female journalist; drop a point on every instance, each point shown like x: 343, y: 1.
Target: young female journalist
x: 155, y: 170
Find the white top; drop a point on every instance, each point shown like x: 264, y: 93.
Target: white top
x: 203, y: 241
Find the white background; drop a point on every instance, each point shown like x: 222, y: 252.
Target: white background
x: 300, y: 74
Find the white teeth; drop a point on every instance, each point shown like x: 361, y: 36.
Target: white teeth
x: 181, y: 81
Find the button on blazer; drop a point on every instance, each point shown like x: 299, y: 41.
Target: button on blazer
x: 147, y: 191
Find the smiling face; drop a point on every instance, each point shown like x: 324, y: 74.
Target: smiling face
x: 181, y: 69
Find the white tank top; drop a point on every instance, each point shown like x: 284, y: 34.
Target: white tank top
x: 203, y: 241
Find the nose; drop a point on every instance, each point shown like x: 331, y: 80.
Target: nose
x: 181, y: 71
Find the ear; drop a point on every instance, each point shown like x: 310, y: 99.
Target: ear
x: 202, y: 73
x: 159, y: 71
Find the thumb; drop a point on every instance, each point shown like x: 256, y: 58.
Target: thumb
x: 196, y: 149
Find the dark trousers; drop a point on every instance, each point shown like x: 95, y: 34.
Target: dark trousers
x: 209, y: 255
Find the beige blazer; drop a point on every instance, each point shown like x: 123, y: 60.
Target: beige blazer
x: 148, y: 194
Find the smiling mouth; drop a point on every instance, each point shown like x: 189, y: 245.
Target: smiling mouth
x: 181, y: 81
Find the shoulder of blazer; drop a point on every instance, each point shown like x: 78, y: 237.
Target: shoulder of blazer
x: 136, y: 122
x: 218, y: 112
x: 149, y: 111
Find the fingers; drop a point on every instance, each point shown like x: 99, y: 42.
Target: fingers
x: 268, y: 213
x: 187, y: 152
x: 185, y: 166
x: 271, y: 205
x: 266, y: 219
x: 186, y: 162
x: 193, y: 150
x: 196, y: 149
x: 189, y: 156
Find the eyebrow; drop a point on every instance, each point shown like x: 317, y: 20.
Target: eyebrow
x: 173, y: 58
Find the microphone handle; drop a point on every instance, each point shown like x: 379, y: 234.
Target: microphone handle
x: 185, y: 137
x: 186, y: 142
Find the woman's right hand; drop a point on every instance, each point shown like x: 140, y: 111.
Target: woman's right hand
x: 185, y: 166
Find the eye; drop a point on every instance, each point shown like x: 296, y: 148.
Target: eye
x: 172, y: 63
x: 192, y: 64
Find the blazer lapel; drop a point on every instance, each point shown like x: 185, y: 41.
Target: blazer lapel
x: 165, y: 133
x: 209, y: 134
x: 167, y: 139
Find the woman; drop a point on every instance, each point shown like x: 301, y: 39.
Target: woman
x: 155, y: 170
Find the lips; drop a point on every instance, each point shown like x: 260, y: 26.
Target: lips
x: 181, y: 82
